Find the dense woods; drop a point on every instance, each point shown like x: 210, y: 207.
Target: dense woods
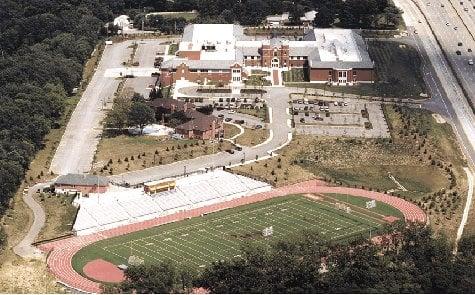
x: 409, y: 260
x: 348, y: 14
x: 43, y: 47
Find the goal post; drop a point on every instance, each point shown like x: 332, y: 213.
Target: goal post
x: 371, y: 204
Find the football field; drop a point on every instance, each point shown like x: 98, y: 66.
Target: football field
x: 199, y: 241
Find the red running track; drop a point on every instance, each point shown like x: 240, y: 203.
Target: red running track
x: 62, y: 251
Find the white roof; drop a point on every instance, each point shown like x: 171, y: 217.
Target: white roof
x: 309, y: 16
x: 122, y: 21
x: 337, y: 45
x: 221, y: 36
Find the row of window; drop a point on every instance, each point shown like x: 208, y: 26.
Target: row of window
x: 341, y: 73
x: 207, y: 71
x: 254, y: 57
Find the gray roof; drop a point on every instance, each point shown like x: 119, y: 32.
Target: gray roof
x: 247, y: 51
x: 82, y: 179
x: 199, y: 64
x: 302, y: 51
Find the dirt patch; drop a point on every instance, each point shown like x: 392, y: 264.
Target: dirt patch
x: 21, y: 276
x: 439, y: 119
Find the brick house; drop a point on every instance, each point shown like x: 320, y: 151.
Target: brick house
x: 222, y: 53
x: 202, y: 127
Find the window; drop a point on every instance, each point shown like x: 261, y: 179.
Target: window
x: 329, y: 72
x: 354, y: 73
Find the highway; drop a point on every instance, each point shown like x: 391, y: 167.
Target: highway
x: 455, y: 29
x: 445, y: 89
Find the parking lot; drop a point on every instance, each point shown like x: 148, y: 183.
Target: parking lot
x: 339, y: 117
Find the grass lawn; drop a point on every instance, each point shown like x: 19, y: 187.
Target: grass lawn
x: 252, y: 137
x: 260, y: 113
x: 295, y: 75
x: 422, y: 155
x: 172, y: 49
x: 257, y: 80
x: 189, y: 16
x: 129, y: 153
x: 60, y: 214
x: 230, y: 130
x: 398, y: 71
x: 199, y: 241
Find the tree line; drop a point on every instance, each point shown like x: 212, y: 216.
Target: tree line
x: 43, y: 47
x: 407, y: 260
x: 365, y: 14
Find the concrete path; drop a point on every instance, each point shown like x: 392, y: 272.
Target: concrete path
x: 24, y: 248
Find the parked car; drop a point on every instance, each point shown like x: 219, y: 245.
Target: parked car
x: 231, y: 111
x: 227, y: 120
x: 220, y: 116
x: 258, y: 126
x: 239, y: 121
x: 230, y: 151
x: 238, y: 148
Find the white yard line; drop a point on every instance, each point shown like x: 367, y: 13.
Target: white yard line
x: 468, y: 203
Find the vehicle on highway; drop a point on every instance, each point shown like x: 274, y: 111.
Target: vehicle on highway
x: 469, y: 50
x: 470, y: 62
x: 458, y: 52
x: 460, y: 44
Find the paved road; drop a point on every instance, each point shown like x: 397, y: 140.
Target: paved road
x: 76, y: 150
x: 277, y: 100
x: 452, y: 25
x: 24, y: 248
x: 447, y: 95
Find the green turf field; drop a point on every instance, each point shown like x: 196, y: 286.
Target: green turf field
x: 381, y: 208
x: 199, y: 241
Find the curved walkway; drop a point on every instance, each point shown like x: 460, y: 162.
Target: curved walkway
x: 61, y: 252
x: 24, y: 248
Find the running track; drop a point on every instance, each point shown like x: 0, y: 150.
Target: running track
x: 62, y: 251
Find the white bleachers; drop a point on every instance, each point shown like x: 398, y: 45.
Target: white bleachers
x: 124, y: 205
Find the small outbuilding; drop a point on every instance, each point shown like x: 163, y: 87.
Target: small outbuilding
x: 83, y: 183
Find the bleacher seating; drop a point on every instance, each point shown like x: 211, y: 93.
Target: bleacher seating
x: 124, y: 205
